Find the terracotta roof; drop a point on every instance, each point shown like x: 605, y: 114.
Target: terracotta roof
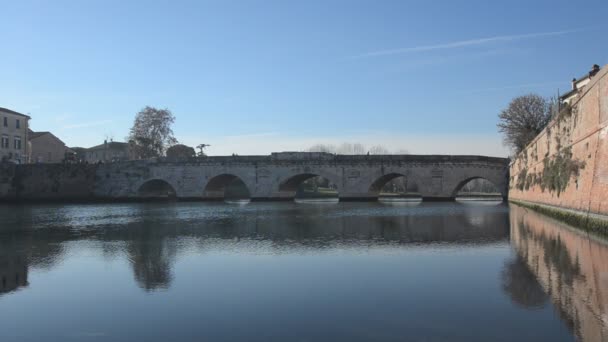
x: 6, y: 110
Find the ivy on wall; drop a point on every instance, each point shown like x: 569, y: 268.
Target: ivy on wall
x: 559, y: 168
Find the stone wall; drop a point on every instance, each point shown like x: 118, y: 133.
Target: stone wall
x: 47, y: 182
x: 567, y: 164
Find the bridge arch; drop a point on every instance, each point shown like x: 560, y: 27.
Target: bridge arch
x: 226, y: 185
x: 409, y: 187
x: 460, y: 185
x: 156, y: 188
x: 288, y: 186
x: 379, y: 183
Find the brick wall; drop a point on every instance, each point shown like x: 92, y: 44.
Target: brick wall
x: 583, y: 130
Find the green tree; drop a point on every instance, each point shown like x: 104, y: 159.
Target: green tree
x: 180, y: 151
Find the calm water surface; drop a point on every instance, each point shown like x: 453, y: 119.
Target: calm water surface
x: 298, y: 272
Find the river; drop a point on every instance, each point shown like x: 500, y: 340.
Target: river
x: 478, y: 271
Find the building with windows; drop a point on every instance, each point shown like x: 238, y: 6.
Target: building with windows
x: 14, y: 136
x: 578, y: 85
x: 45, y: 147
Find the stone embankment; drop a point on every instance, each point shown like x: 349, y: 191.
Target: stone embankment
x: 47, y: 182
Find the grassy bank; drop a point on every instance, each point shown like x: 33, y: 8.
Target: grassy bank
x: 578, y: 220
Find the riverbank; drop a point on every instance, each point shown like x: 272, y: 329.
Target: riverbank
x: 590, y: 222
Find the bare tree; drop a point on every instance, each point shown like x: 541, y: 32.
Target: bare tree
x: 358, y: 148
x: 151, y: 133
x: 378, y: 149
x: 345, y: 148
x: 524, y: 118
x: 322, y: 148
x: 348, y: 148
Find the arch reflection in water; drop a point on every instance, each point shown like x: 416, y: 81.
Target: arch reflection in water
x: 151, y: 235
x: 569, y: 265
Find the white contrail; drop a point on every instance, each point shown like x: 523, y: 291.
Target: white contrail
x: 465, y: 43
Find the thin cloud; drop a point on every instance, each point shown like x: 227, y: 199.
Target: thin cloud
x: 88, y: 124
x: 465, y: 43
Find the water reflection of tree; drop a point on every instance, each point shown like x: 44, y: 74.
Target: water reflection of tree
x: 151, y: 258
x: 520, y: 283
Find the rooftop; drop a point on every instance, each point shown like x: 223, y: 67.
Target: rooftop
x: 34, y: 135
x: 110, y: 144
x: 6, y: 110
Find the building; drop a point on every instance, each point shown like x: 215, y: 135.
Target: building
x: 45, y: 147
x: 578, y: 84
x: 14, y: 134
x: 109, y: 151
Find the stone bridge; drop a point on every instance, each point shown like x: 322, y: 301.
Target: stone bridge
x: 277, y: 176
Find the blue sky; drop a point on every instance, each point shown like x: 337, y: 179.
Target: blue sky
x: 250, y: 77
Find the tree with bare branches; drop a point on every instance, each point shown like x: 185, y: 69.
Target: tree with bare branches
x: 524, y: 118
x: 151, y: 133
x: 378, y: 149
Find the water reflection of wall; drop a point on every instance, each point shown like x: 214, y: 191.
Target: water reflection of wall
x: 20, y: 252
x: 13, y: 266
x: 570, y: 266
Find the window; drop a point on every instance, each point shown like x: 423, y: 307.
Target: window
x: 5, y: 141
x: 17, y: 143
x: 5, y: 121
x: 18, y: 124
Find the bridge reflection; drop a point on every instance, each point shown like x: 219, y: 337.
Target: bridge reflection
x: 152, y: 236
x: 568, y: 265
